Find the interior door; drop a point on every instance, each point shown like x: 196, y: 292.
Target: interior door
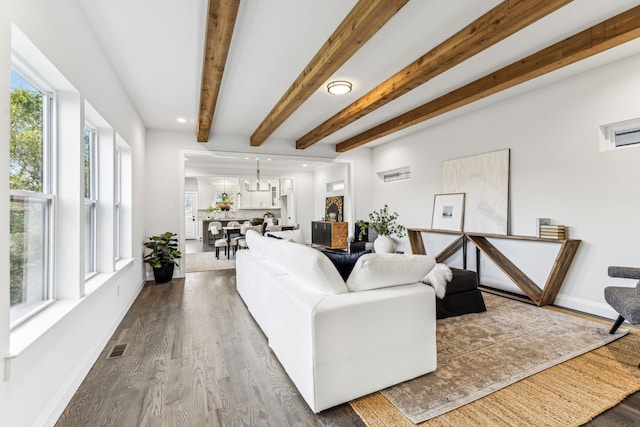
x: 190, y: 215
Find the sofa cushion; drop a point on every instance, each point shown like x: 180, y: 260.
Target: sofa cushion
x: 462, y: 281
x: 309, y: 266
x: 253, y: 239
x: 344, y: 262
x: 292, y: 235
x: 378, y: 270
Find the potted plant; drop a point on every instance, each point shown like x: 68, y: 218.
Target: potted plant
x: 384, y: 224
x: 163, y: 256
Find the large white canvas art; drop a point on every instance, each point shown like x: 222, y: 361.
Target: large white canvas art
x: 484, y: 178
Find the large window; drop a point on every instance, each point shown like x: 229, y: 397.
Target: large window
x: 90, y: 199
x: 32, y: 196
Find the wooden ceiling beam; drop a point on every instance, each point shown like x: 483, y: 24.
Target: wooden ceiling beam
x: 221, y: 19
x: 499, y: 23
x: 364, y: 20
x: 610, y: 33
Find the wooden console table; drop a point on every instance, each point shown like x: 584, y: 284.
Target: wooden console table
x: 540, y: 297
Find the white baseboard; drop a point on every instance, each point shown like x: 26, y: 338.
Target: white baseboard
x: 586, y: 306
x: 59, y: 403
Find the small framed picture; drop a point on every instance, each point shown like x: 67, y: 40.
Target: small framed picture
x: 448, y: 212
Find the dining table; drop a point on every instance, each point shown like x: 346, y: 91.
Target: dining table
x: 231, y: 231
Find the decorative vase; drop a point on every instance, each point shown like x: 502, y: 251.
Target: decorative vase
x: 384, y: 245
x: 163, y: 274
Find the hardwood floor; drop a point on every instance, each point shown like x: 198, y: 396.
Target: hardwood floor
x: 627, y: 413
x: 193, y: 246
x: 195, y: 357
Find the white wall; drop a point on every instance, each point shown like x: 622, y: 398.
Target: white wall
x: 326, y: 175
x: 191, y: 184
x: 44, y: 374
x: 165, y: 169
x: 557, y: 171
x: 360, y: 177
x: 355, y: 168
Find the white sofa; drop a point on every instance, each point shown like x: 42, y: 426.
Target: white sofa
x: 338, y: 341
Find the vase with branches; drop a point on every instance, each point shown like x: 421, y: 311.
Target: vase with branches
x: 384, y: 223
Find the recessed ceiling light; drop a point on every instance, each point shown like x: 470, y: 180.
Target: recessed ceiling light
x: 181, y: 120
x: 339, y: 87
x: 304, y: 165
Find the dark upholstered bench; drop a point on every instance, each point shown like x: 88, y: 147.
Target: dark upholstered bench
x: 462, y: 296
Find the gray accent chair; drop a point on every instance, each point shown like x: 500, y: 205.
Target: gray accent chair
x: 625, y: 300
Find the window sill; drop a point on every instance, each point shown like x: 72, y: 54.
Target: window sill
x: 97, y: 280
x: 33, y: 329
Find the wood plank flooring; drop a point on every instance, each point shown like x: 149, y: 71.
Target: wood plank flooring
x: 195, y: 357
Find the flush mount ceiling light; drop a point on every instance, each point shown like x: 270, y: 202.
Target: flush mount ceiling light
x: 339, y: 87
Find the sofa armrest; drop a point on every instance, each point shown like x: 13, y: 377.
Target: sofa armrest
x: 624, y: 272
x: 342, y: 346
x: 366, y: 341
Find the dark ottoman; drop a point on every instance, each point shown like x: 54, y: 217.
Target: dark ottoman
x: 462, y: 296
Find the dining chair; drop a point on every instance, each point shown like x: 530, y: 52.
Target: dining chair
x: 215, y: 228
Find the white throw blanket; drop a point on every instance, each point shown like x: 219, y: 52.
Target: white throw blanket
x: 438, y: 278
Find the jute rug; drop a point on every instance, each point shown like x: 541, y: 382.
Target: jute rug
x: 505, y: 368
x: 206, y: 261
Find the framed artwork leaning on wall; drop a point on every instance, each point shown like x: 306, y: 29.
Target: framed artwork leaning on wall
x: 448, y: 212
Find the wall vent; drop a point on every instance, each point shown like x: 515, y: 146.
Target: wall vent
x: 117, y: 351
x: 399, y: 174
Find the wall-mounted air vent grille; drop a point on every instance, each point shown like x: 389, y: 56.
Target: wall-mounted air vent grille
x: 399, y: 174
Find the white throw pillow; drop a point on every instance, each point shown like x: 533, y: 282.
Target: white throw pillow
x: 378, y: 270
x: 438, y: 278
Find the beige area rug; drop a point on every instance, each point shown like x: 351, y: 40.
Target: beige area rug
x: 206, y: 261
x: 497, y: 368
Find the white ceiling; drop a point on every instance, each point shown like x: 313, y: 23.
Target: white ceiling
x: 156, y: 47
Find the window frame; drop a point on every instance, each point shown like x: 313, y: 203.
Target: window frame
x: 47, y: 194
x: 335, y: 186
x: 92, y: 200
x: 608, y: 135
x: 117, y: 203
x: 395, y: 175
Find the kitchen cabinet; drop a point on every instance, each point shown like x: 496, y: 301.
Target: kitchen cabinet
x: 260, y: 199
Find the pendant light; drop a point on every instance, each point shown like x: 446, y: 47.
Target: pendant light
x: 247, y: 185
